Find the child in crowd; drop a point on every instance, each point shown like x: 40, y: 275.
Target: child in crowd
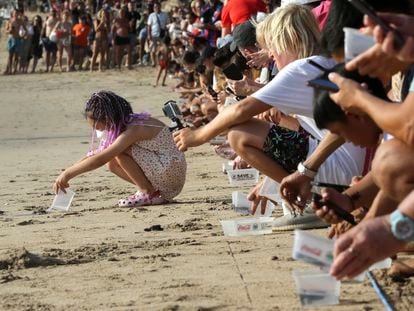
x: 135, y: 147
x: 164, y: 52
x: 80, y: 35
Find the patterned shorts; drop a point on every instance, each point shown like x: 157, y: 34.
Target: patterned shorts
x: 286, y: 147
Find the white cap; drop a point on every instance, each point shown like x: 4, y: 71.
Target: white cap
x: 285, y: 2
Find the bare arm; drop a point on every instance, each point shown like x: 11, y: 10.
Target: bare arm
x: 326, y: 147
x: 233, y: 115
x: 126, y: 139
x: 394, y: 119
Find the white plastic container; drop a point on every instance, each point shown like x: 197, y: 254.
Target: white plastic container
x: 240, y: 202
x: 271, y: 190
x: 242, y: 205
x: 356, y: 43
x: 312, y: 249
x: 247, y: 226
x: 218, y: 140
x: 316, y: 288
x: 383, y: 264
x: 227, y: 166
x: 62, y: 200
x: 244, y: 177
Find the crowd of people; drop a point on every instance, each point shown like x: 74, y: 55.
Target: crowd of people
x: 242, y: 69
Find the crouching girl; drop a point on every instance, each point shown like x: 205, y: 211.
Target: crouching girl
x: 135, y: 147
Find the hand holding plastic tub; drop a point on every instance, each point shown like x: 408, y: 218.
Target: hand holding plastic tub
x: 362, y: 246
x: 61, y: 183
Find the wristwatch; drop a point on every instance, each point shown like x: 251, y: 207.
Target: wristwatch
x: 402, y: 226
x: 303, y: 170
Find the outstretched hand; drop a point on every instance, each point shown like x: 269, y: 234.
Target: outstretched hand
x: 61, y: 183
x: 186, y: 138
x: 257, y: 200
x: 293, y: 187
x: 362, y: 246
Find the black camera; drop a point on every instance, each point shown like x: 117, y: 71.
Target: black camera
x: 173, y: 112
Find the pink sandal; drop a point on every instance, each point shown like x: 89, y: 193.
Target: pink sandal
x: 142, y: 199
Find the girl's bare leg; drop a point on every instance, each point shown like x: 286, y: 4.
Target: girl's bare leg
x: 130, y: 171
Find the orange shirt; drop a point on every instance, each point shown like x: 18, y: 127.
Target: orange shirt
x: 80, y: 33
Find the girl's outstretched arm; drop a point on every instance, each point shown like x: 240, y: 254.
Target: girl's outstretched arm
x: 126, y: 139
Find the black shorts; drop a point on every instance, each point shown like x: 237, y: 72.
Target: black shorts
x: 50, y: 46
x: 286, y: 147
x: 121, y: 40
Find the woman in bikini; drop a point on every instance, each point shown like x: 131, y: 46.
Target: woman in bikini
x: 63, y: 31
x: 101, y: 44
x: 120, y: 37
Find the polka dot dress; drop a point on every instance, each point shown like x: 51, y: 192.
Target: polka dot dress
x: 162, y: 163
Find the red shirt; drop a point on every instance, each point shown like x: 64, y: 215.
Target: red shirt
x: 80, y: 33
x: 238, y: 11
x: 321, y: 13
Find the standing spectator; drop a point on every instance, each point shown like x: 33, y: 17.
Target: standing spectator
x: 36, y: 48
x: 80, y: 44
x: 238, y: 11
x: 64, y: 34
x: 143, y: 35
x: 26, y: 36
x: 133, y: 17
x: 120, y: 37
x: 101, y: 43
x: 49, y: 40
x: 14, y: 42
x: 157, y: 22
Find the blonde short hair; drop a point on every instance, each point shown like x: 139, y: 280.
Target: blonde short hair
x: 290, y: 29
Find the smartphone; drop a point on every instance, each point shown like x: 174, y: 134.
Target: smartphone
x: 323, y: 84
x: 339, y: 188
x: 365, y: 8
x: 233, y: 72
x: 212, y: 92
x: 339, y: 211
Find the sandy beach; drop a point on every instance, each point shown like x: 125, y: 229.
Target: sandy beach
x: 98, y: 256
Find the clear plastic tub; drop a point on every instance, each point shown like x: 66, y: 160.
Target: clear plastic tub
x: 62, y: 200
x: 242, y: 205
x: 383, y: 264
x: 244, y: 177
x: 316, y: 288
x: 227, y: 166
x: 356, y: 43
x: 271, y: 190
x: 247, y: 226
x: 312, y: 249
